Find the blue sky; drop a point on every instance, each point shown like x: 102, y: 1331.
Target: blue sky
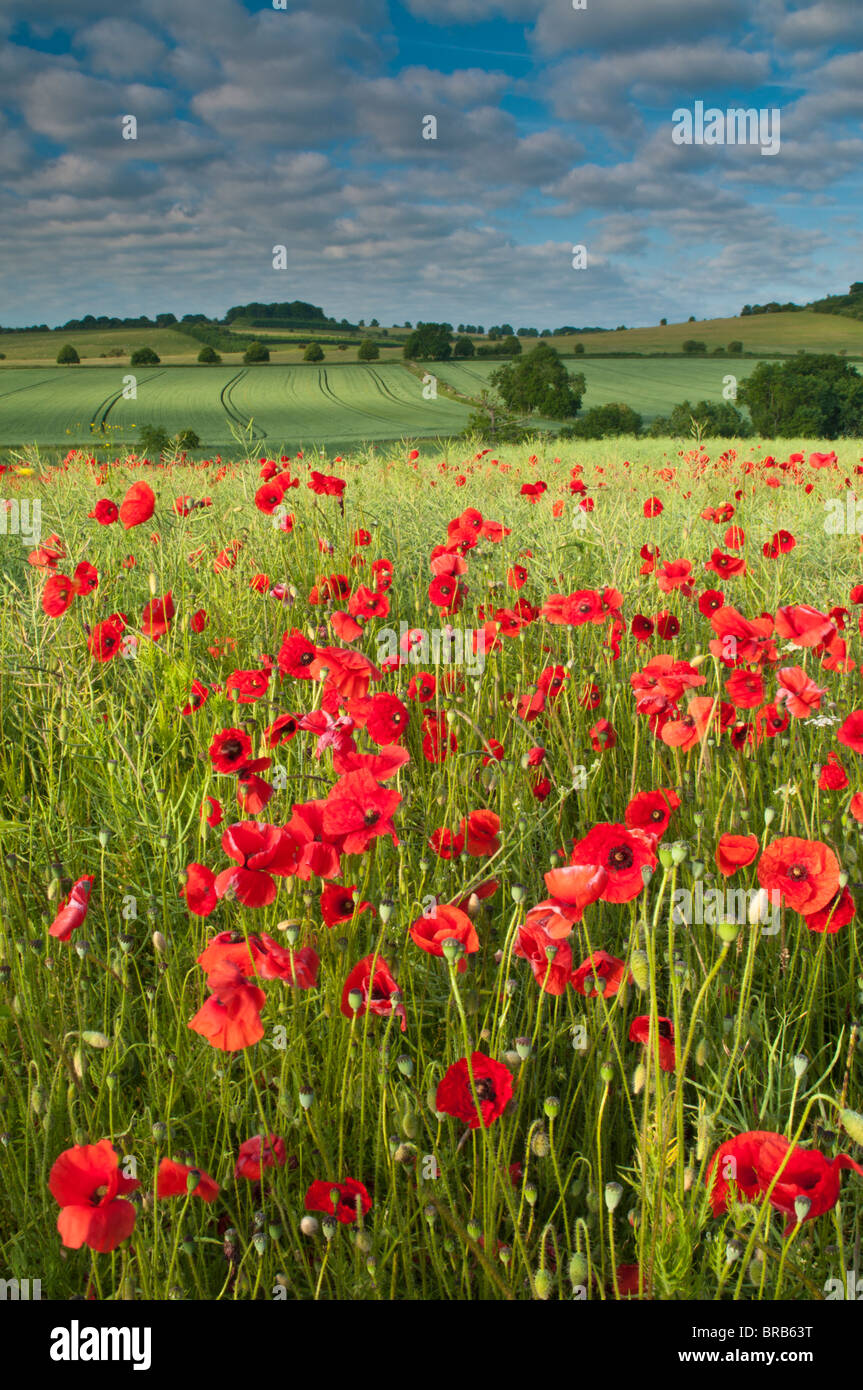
x: 303, y: 127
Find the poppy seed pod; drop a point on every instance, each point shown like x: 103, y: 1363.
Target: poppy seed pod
x: 852, y: 1123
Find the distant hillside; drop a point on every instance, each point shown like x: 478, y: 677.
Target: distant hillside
x: 848, y: 305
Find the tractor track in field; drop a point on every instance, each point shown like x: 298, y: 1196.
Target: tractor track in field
x: 30, y: 387
x: 227, y: 403
x: 110, y: 401
x: 323, y: 381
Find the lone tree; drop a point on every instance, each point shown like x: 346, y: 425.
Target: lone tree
x: 209, y: 356
x: 540, y: 383
x: 464, y: 347
x: 67, y: 356
x: 368, y: 350
x: 144, y: 357
x: 256, y: 352
x: 313, y: 353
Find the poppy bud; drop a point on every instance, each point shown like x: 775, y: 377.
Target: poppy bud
x: 613, y: 1194
x: 474, y: 1229
x: 539, y: 1144
x: 523, y: 1048
x: 577, y: 1268
x: 551, y: 1107
x: 516, y: 892
x: 606, y: 1071
x: 430, y: 1213
x: 530, y: 1193
x: 96, y: 1040
x: 542, y: 1282
x: 405, y: 1065
x: 727, y: 932
x: 800, y: 1064
x: 852, y: 1123
x: 80, y: 1067
x: 309, y: 1226
x: 474, y: 905
x: 159, y: 1131
x: 504, y: 1254
x: 802, y: 1205
x: 159, y: 943
x: 640, y: 968
x: 453, y: 950
x: 701, y: 1052
x: 733, y: 1251
x: 769, y: 815
x: 307, y: 1096
x: 329, y: 1227
x: 385, y: 910
x: 843, y: 878
x: 639, y: 1076
x: 355, y: 1000
x: 104, y: 837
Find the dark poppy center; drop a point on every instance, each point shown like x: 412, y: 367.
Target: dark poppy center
x: 307, y: 658
x: 656, y: 814
x: 485, y: 1089
x: 798, y: 872
x: 620, y: 857
x: 232, y: 748
x: 371, y: 817
x: 665, y: 1029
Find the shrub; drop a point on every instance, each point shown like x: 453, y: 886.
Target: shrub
x: 67, y: 356
x: 540, y: 382
x: 256, y: 352
x: 209, y: 356
x: 313, y: 353
x: 368, y: 351
x: 144, y: 357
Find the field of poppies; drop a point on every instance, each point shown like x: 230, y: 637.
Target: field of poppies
x: 432, y: 877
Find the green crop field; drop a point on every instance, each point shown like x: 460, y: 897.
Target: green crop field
x: 291, y: 405
x: 93, y: 344
x: 759, y: 333
x: 652, y: 387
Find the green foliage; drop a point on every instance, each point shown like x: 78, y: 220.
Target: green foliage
x: 145, y: 357
x: 67, y: 356
x: 604, y: 422
x: 368, y: 350
x: 429, y: 342
x: 464, y: 347
x: 256, y: 352
x: 691, y: 346
x: 209, y: 356
x: 153, y: 439
x: 540, y: 383
x: 313, y: 353
x: 707, y: 419
x: 813, y: 395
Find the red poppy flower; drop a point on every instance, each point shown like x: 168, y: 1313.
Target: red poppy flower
x: 57, y: 595
x: 104, y: 512
x: 200, y: 890
x: 599, y: 969
x: 105, y: 639
x: 256, y: 1154
x: 199, y: 620
x: 230, y: 1020
x: 850, y: 735
x: 87, y: 1182
x: 834, y: 915
x: 492, y: 1082
x: 172, y: 1180
x: 72, y: 909
x: 298, y: 657
x: 480, y: 831
x: 260, y: 851
x: 735, y: 852
x: 352, y: 1196
x: 833, y: 775
x: 622, y: 853
x: 651, y: 811
x: 445, y: 923
x: 804, y: 872
x: 245, y: 687
x: 229, y: 750
x: 376, y: 989
x: 157, y: 617
x: 138, y: 505
x: 753, y: 1161
x: 358, y: 810
x: 338, y: 905
x: 640, y: 1032
x: 549, y: 958
x: 85, y: 578
x: 572, y: 889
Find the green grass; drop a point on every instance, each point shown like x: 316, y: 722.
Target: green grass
x: 760, y: 333
x: 91, y: 344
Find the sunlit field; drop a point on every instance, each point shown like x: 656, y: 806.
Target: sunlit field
x: 432, y: 877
